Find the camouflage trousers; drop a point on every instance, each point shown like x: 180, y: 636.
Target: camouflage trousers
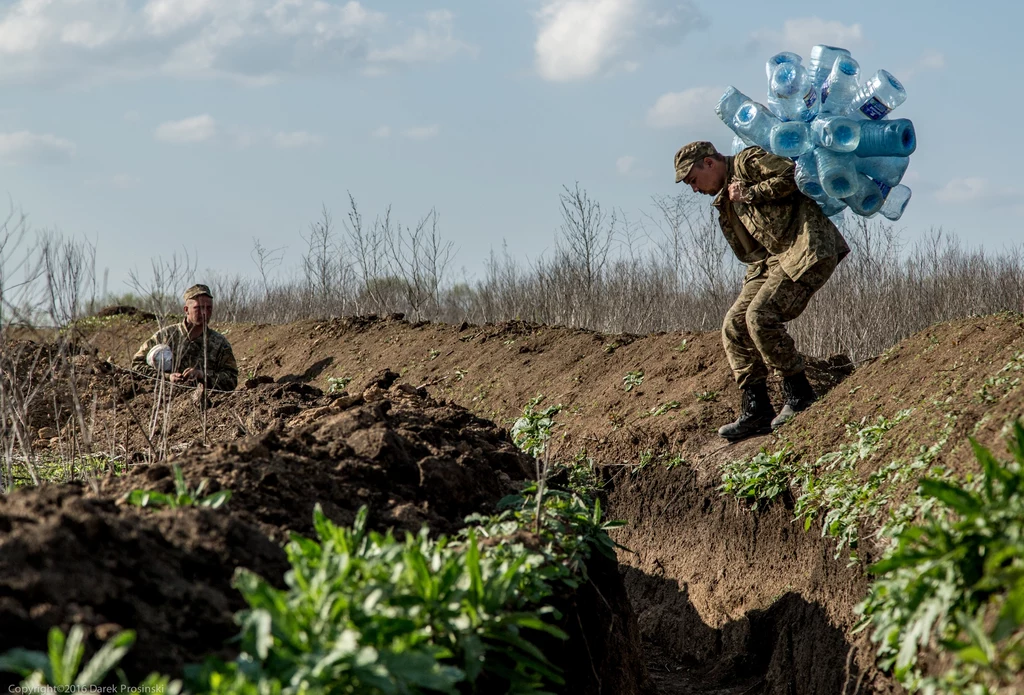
x: 754, y: 333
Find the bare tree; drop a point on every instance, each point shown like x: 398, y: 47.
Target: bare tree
x: 421, y: 257
x: 265, y: 259
x: 369, y: 249
x: 321, y: 259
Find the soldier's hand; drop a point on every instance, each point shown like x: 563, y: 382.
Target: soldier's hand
x: 176, y: 377
x: 739, y: 193
x: 193, y: 374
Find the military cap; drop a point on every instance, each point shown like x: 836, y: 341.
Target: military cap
x: 690, y: 154
x: 197, y: 291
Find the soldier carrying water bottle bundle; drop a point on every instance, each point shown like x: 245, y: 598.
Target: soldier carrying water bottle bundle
x: 823, y: 143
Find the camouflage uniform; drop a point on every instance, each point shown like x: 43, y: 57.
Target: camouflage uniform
x: 216, y: 361
x: 791, y: 248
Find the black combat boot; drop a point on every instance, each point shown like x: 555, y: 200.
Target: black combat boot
x: 799, y: 396
x: 755, y: 417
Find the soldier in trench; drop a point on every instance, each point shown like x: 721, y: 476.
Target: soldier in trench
x: 791, y: 248
x: 202, y: 357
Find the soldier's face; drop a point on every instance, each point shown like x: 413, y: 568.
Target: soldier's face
x: 706, y: 177
x: 198, y: 310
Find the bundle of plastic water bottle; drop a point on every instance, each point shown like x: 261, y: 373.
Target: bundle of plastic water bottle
x: 848, y: 153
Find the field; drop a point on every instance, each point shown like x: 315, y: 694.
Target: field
x: 740, y: 567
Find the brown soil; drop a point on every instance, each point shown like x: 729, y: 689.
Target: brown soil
x: 72, y: 554
x: 729, y: 600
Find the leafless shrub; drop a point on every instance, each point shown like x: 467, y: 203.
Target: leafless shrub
x: 669, y: 270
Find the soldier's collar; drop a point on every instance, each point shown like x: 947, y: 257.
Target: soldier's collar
x: 723, y: 195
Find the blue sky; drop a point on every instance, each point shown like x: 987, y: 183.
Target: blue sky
x: 153, y: 126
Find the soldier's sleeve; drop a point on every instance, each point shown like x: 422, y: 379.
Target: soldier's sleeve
x: 139, y: 360
x: 225, y: 372
x: 768, y: 176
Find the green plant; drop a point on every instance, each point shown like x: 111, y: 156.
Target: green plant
x: 366, y: 613
x: 645, y: 460
x: 761, y: 478
x: 707, y: 396
x: 609, y: 348
x: 683, y: 346
x: 532, y: 431
x: 433, y: 353
x: 633, y: 378
x: 60, y: 667
x: 182, y: 497
x: 956, y: 581
x: 460, y: 374
x: 834, y: 489
x: 675, y: 462
x: 664, y: 408
x: 337, y: 384
x: 582, y: 476
x: 999, y: 386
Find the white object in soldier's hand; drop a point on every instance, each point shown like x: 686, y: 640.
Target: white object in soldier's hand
x: 160, y: 357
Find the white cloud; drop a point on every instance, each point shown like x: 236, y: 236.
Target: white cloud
x: 27, y: 146
x: 382, y: 132
x: 801, y: 34
x: 929, y: 60
x: 431, y: 44
x: 194, y: 129
x: 422, y: 132
x: 244, y: 137
x: 625, y: 164
x: 253, y: 41
x: 577, y: 39
x: 124, y: 181
x: 972, y: 189
x: 692, y: 108
x: 119, y: 181
x: 296, y: 139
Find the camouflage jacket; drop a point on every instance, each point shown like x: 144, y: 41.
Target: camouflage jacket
x: 219, y: 366
x: 780, y: 220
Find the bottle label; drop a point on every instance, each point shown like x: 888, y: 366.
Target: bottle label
x: 825, y: 89
x: 811, y: 97
x: 874, y: 109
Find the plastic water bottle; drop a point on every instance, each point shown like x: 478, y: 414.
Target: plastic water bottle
x: 806, y: 174
x: 755, y: 122
x: 821, y: 61
x: 791, y: 95
x: 779, y: 59
x: 836, y: 133
x: 729, y: 104
x: 833, y: 209
x: 895, y: 138
x: 877, y: 97
x: 790, y: 139
x: 896, y: 200
x: 887, y: 170
x: 866, y: 198
x: 840, y: 87
x: 836, y: 172
x: 739, y: 144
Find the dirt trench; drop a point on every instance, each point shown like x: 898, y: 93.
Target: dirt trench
x: 75, y: 553
x: 727, y: 599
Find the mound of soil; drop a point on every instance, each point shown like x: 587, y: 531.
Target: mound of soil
x: 125, y: 310
x: 68, y: 557
x: 72, y: 554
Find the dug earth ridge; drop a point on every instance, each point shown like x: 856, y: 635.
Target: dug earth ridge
x: 728, y: 599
